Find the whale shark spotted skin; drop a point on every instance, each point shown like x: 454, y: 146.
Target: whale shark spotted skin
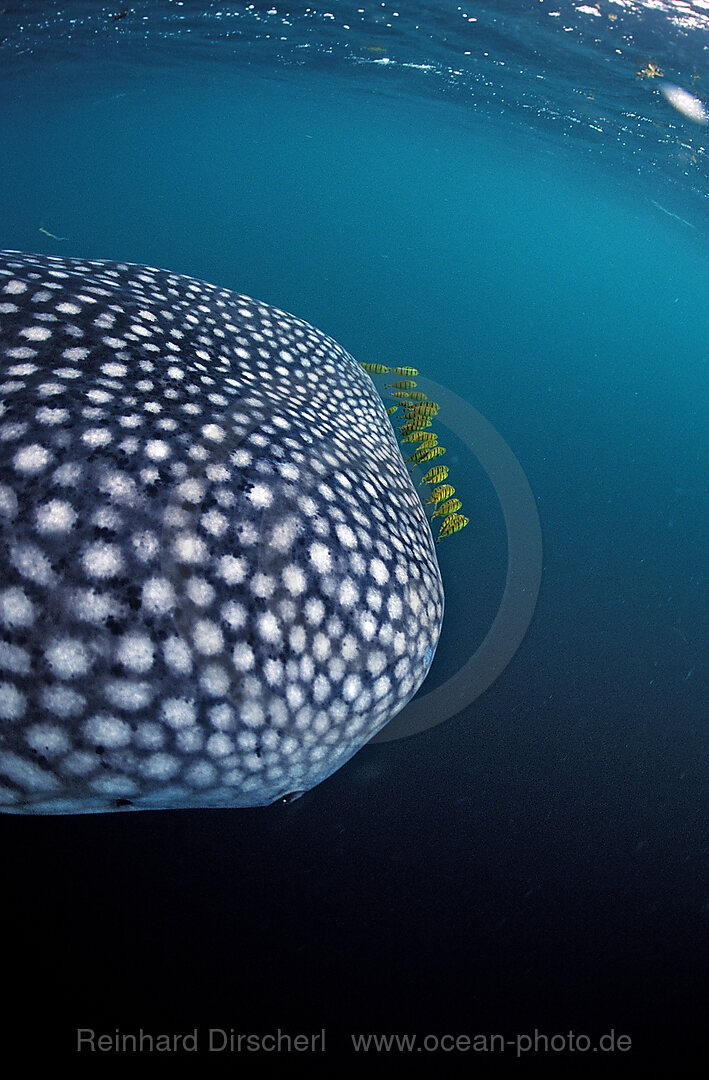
x: 217, y: 581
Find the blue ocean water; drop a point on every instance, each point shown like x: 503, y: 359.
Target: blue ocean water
x: 502, y: 196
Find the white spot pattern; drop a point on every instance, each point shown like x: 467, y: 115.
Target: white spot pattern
x: 218, y: 580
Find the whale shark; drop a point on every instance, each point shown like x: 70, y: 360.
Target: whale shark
x: 217, y: 581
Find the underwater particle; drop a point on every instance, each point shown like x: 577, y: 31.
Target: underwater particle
x: 650, y: 71
x: 51, y: 234
x: 685, y: 103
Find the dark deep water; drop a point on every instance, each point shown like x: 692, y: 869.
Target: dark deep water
x: 508, y: 206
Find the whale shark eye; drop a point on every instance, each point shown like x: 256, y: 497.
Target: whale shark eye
x: 289, y: 798
x: 428, y: 655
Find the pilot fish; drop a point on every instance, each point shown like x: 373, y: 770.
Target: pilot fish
x: 452, y: 524
x: 217, y: 581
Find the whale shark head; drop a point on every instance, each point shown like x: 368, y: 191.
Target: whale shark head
x: 217, y: 581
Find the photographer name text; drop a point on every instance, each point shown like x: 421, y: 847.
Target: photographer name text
x: 213, y: 1040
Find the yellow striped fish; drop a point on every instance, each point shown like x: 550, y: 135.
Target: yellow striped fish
x: 430, y: 407
x: 452, y: 524
x: 438, y: 472
x: 417, y: 395
x: 409, y: 419
x: 443, y: 492
x: 416, y: 419
x: 392, y: 409
x: 425, y: 453
x: 409, y: 371
x: 416, y: 414
x: 407, y: 384
x: 414, y: 425
x: 428, y: 437
x: 450, y: 506
x: 375, y: 369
